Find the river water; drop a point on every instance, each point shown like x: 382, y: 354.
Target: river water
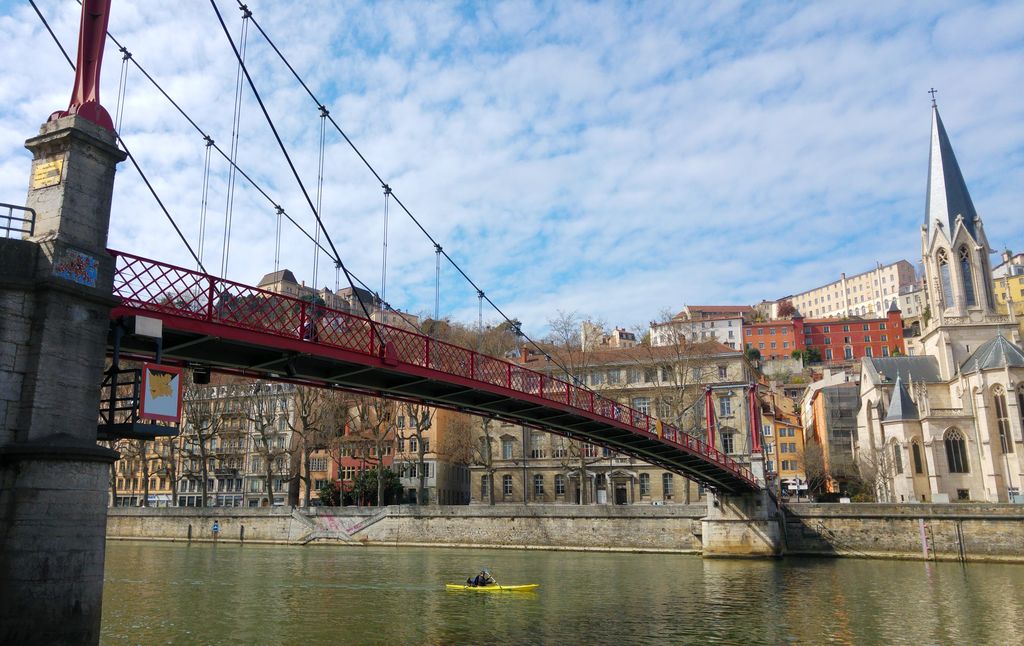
x: 173, y: 593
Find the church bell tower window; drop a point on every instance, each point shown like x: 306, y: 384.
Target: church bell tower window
x: 968, y: 277
x: 944, y: 278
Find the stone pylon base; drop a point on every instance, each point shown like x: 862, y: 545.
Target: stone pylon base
x: 744, y: 525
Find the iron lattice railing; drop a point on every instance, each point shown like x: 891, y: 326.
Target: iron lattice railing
x: 153, y: 286
x: 17, y: 221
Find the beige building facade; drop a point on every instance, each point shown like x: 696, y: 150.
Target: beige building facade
x: 870, y: 293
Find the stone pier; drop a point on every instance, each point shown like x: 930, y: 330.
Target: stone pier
x: 55, y: 302
x: 743, y: 525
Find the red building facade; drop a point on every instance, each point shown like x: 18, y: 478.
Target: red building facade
x: 836, y: 339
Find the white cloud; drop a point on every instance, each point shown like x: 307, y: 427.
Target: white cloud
x: 614, y: 159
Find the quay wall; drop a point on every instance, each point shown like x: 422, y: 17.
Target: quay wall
x: 970, y: 531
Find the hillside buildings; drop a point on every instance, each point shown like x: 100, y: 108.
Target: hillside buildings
x: 947, y: 424
x: 870, y: 293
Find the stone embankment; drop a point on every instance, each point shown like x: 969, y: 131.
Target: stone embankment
x: 970, y: 532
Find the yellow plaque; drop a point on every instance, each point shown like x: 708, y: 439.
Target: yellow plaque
x: 47, y: 173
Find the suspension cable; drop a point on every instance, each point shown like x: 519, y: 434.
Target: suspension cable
x: 380, y: 180
x: 252, y: 182
x: 236, y: 119
x: 126, y: 149
x: 284, y: 151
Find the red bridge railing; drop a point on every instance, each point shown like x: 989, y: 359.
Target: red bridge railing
x: 158, y: 287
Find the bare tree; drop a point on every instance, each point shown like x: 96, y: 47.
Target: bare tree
x: 204, y: 419
x: 267, y: 412
x: 371, y: 427
x: 421, y: 419
x: 318, y: 414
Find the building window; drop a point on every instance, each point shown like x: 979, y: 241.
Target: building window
x: 1003, y: 421
x: 666, y: 486
x: 725, y: 406
x: 506, y: 485
x: 769, y: 448
x: 848, y: 352
x: 318, y: 464
x: 767, y: 430
x: 538, y: 486
x: 559, y: 485
x: 826, y: 329
x: 885, y: 351
x: 867, y: 352
x: 727, y: 443
x: 915, y: 449
x: 881, y: 326
x: 642, y: 404
x: 723, y: 372
x: 963, y: 494
x: 897, y: 459
x: 485, y: 487
x: 613, y: 376
x: 968, y: 277
x: 944, y: 278
x: 536, y: 445
x: 400, y: 423
x: 956, y: 451
x: 506, y: 448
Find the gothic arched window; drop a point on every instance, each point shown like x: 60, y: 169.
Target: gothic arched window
x: 897, y: 459
x: 1002, y: 420
x: 944, y: 278
x: 968, y: 276
x: 915, y: 449
x: 956, y: 451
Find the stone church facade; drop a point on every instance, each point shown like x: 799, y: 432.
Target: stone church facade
x: 946, y: 423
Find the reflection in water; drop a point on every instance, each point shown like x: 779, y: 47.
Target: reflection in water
x: 230, y: 594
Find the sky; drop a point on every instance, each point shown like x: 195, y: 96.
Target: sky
x: 614, y: 159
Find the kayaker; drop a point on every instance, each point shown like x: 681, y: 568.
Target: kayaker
x: 482, y: 579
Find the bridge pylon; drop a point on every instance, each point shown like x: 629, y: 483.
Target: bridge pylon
x: 55, y: 302
x: 742, y: 525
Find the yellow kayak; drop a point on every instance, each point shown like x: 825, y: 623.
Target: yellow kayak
x: 492, y: 588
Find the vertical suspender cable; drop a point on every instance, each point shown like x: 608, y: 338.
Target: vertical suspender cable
x: 277, y: 239
x: 319, y: 194
x: 384, y: 255
x: 480, y: 312
x: 205, y: 201
x: 233, y: 153
x: 121, y: 86
x: 437, y: 281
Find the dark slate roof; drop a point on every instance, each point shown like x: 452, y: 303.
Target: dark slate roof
x: 947, y: 195
x: 901, y: 406
x: 894, y: 306
x: 997, y: 353
x: 282, y: 276
x: 924, y: 369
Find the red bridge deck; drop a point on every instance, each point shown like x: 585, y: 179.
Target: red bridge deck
x: 230, y: 326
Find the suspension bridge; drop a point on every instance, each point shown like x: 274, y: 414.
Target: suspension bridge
x: 214, y: 322
x: 67, y: 301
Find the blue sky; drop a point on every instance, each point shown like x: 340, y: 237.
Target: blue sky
x: 613, y: 159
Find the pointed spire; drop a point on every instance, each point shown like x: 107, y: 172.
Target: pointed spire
x: 947, y: 195
x: 901, y: 406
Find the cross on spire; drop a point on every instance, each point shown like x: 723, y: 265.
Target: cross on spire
x: 933, y: 92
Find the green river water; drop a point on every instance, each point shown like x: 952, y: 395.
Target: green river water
x: 173, y: 593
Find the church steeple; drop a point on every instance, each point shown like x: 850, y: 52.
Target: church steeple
x: 947, y: 195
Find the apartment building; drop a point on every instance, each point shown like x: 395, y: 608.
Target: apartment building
x: 870, y: 293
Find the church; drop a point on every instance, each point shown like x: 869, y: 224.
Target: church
x: 945, y: 424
